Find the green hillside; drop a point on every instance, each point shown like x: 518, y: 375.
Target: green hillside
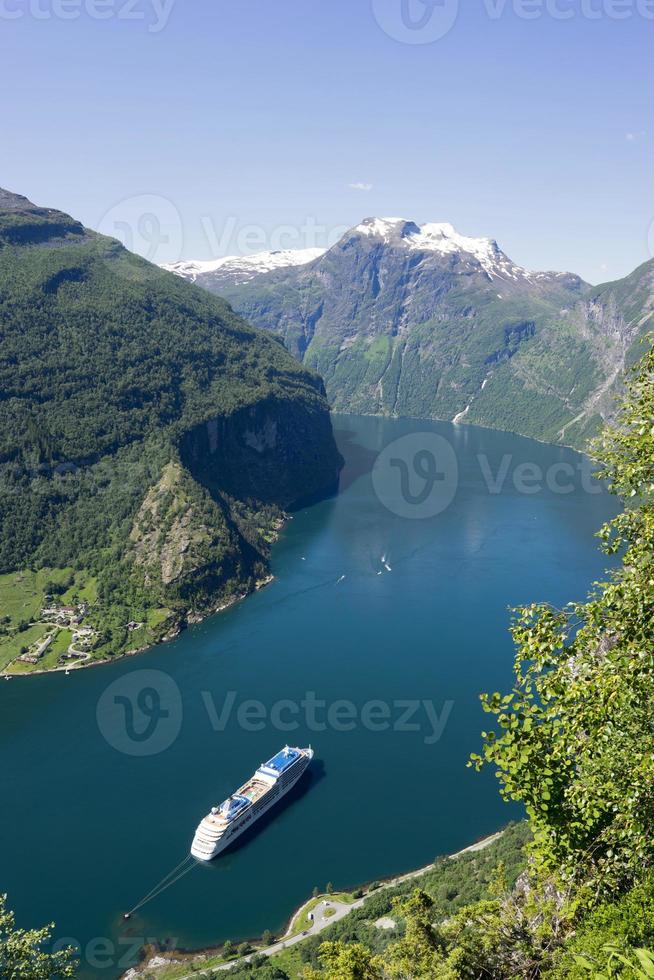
x: 147, y: 433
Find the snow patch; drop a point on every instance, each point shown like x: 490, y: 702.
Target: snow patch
x: 385, y: 228
x: 442, y: 237
x: 247, y: 266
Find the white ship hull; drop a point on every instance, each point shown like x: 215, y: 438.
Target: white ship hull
x: 272, y: 781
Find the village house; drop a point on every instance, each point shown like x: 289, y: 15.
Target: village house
x: 65, y: 615
x: 33, y: 656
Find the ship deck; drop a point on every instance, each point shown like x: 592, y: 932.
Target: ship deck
x: 254, y: 789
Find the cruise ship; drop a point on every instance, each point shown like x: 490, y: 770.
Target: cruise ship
x: 271, y: 781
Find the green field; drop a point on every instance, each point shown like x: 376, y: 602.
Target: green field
x: 22, y: 593
x: 83, y: 589
x: 301, y: 921
x: 22, y: 596
x: 11, y: 645
x: 52, y: 656
x: 147, y: 634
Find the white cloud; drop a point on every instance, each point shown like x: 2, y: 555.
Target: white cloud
x: 632, y: 137
x: 360, y: 186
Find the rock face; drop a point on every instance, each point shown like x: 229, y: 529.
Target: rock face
x: 615, y: 320
x: 411, y: 320
x: 145, y: 429
x: 266, y: 451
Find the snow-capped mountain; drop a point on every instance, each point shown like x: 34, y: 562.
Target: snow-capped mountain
x: 421, y: 320
x: 442, y: 238
x: 435, y: 239
x: 242, y: 268
x: 439, y: 237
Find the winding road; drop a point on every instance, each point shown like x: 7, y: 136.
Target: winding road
x: 321, y: 919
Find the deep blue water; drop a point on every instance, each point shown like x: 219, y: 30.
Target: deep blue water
x: 379, y: 672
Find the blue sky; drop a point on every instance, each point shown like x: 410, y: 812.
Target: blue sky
x: 218, y: 126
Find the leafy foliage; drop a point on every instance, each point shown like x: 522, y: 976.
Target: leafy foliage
x: 615, y: 926
x: 21, y: 953
x: 576, y: 742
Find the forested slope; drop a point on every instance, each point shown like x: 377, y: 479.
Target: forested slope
x: 146, y: 432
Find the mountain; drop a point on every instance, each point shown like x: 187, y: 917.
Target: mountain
x: 237, y: 269
x: 622, y: 313
x: 148, y: 435
x: 422, y: 321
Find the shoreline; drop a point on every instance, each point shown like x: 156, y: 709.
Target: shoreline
x: 478, y: 425
x: 196, y: 618
x: 171, y: 635
x: 290, y: 936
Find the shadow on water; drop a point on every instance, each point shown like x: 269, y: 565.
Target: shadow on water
x: 133, y: 929
x: 359, y: 460
x: 311, y: 777
x: 328, y: 493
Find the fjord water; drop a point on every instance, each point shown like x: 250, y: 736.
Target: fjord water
x: 87, y: 829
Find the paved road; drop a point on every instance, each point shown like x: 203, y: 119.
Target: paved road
x: 321, y: 921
